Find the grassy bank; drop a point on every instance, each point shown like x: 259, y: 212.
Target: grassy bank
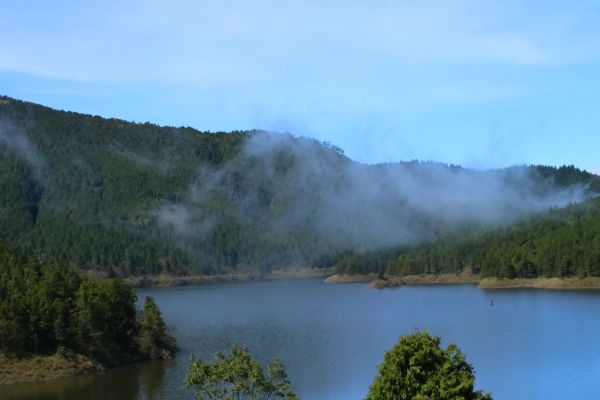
x: 169, y: 280
x: 467, y: 277
x: 44, y: 368
x: 427, y: 279
x: 588, y: 283
x: 351, y: 278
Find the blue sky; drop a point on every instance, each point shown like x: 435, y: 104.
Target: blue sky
x: 479, y: 83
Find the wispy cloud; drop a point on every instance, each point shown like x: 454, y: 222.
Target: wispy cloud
x: 15, y: 140
x: 245, y: 41
x: 386, y: 80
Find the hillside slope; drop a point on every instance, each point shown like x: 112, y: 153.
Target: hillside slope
x: 134, y: 199
x: 558, y: 243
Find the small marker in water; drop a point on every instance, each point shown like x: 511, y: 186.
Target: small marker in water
x: 491, y: 302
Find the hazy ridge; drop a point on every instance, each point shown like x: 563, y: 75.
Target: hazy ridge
x: 137, y: 199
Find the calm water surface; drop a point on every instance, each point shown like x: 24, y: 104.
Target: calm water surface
x: 528, y: 345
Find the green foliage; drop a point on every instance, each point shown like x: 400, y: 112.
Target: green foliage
x: 106, y: 320
x: 49, y: 308
x: 89, y: 198
x: 153, y: 340
x: 559, y: 243
x: 95, y: 201
x: 417, y: 368
x: 37, y: 304
x: 105, y: 194
x: 237, y: 375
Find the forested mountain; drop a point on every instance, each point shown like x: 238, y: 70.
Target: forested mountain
x: 558, y: 243
x: 132, y: 199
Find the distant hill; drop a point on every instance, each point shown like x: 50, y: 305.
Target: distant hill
x: 556, y: 243
x: 134, y: 199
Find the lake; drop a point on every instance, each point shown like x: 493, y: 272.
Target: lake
x: 530, y: 344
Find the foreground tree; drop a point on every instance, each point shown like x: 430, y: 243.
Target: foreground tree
x: 417, y: 368
x: 238, y: 376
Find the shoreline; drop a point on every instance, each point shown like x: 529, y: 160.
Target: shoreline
x: 587, y: 283
x: 42, y: 368
x: 35, y: 369
x: 349, y: 278
x: 412, y: 280
x: 463, y: 278
x: 466, y: 277
x: 163, y: 280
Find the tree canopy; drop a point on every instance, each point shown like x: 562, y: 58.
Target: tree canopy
x: 417, y: 368
x: 558, y: 243
x: 135, y: 199
x: 153, y: 339
x: 236, y: 375
x: 47, y: 308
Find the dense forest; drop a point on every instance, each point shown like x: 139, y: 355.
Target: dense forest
x: 46, y: 309
x: 132, y: 199
x: 558, y: 243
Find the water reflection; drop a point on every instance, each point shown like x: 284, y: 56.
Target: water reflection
x: 141, y: 381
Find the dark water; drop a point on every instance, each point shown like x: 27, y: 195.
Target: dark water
x: 528, y: 345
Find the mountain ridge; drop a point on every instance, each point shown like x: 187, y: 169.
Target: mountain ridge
x: 131, y: 199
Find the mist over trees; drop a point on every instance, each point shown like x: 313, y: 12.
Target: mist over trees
x: 559, y: 243
x: 133, y: 199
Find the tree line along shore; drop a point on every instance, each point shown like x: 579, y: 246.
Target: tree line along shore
x: 554, y: 249
x: 55, y: 323
x: 553, y: 283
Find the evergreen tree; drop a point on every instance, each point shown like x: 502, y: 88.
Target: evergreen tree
x: 153, y: 340
x: 49, y: 308
x: 417, y: 368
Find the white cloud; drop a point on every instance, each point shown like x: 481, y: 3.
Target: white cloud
x: 213, y: 42
x: 385, y: 80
